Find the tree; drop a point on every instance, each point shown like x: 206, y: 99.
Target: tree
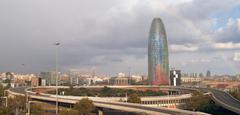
x: 69, y: 112
x: 198, y: 101
x: 134, y: 98
x: 8, y: 81
x: 36, y: 109
x: 6, y: 111
x: 70, y: 87
x: 235, y: 93
x: 84, y: 106
x: 17, y: 103
x: 1, y: 90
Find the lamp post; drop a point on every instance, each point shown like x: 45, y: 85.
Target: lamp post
x: 57, y: 44
x: 27, y: 104
x: 6, y: 97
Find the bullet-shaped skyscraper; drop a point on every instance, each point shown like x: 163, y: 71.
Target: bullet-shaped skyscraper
x: 158, y: 68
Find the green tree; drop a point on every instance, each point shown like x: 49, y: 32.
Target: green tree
x: 36, y: 109
x: 235, y: 93
x: 69, y: 112
x: 84, y: 106
x: 198, y: 101
x: 6, y: 111
x: 1, y: 91
x: 134, y: 98
x: 70, y: 87
x: 8, y: 81
x: 17, y: 104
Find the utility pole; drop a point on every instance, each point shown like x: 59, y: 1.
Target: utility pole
x: 27, y: 106
x: 57, y: 44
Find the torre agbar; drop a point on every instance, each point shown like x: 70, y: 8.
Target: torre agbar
x: 158, y: 68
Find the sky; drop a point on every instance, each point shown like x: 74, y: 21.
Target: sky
x: 110, y: 36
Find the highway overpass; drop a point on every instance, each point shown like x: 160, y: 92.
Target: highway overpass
x: 225, y: 100
x: 136, y: 108
x: 220, y: 97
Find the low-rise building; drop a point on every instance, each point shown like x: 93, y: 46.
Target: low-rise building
x: 121, y: 79
x: 190, y: 79
x: 35, y: 81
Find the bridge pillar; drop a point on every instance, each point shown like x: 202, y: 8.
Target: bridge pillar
x: 100, y: 112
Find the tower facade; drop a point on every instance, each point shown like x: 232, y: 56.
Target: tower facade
x: 158, y: 67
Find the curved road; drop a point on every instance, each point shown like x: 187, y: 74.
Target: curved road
x: 19, y: 90
x: 118, y: 105
x: 222, y: 98
x: 226, y: 100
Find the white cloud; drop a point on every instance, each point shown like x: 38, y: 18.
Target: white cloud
x: 228, y: 33
x: 238, y: 24
x: 236, y: 56
x: 200, y: 60
x: 228, y: 45
x: 175, y: 1
x: 230, y: 22
x: 183, y: 48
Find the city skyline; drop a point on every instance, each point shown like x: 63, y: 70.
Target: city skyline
x: 112, y: 37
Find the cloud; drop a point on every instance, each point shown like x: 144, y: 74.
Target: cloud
x: 110, y: 35
x: 236, y: 56
x: 183, y: 48
x: 229, y: 33
x: 201, y: 10
x: 228, y: 45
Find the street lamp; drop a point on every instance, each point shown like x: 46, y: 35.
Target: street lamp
x: 5, y: 97
x: 57, y: 44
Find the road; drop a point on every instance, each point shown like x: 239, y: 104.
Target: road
x: 220, y: 97
x: 19, y: 90
x: 116, y: 105
x: 155, y: 109
x: 226, y: 100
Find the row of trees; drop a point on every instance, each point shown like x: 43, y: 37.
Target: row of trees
x: 235, y: 93
x: 15, y: 106
x: 84, y: 107
x: 134, y: 98
x: 107, y: 92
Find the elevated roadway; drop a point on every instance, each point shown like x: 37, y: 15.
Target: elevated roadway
x: 222, y: 98
x: 225, y: 100
x: 137, y: 108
